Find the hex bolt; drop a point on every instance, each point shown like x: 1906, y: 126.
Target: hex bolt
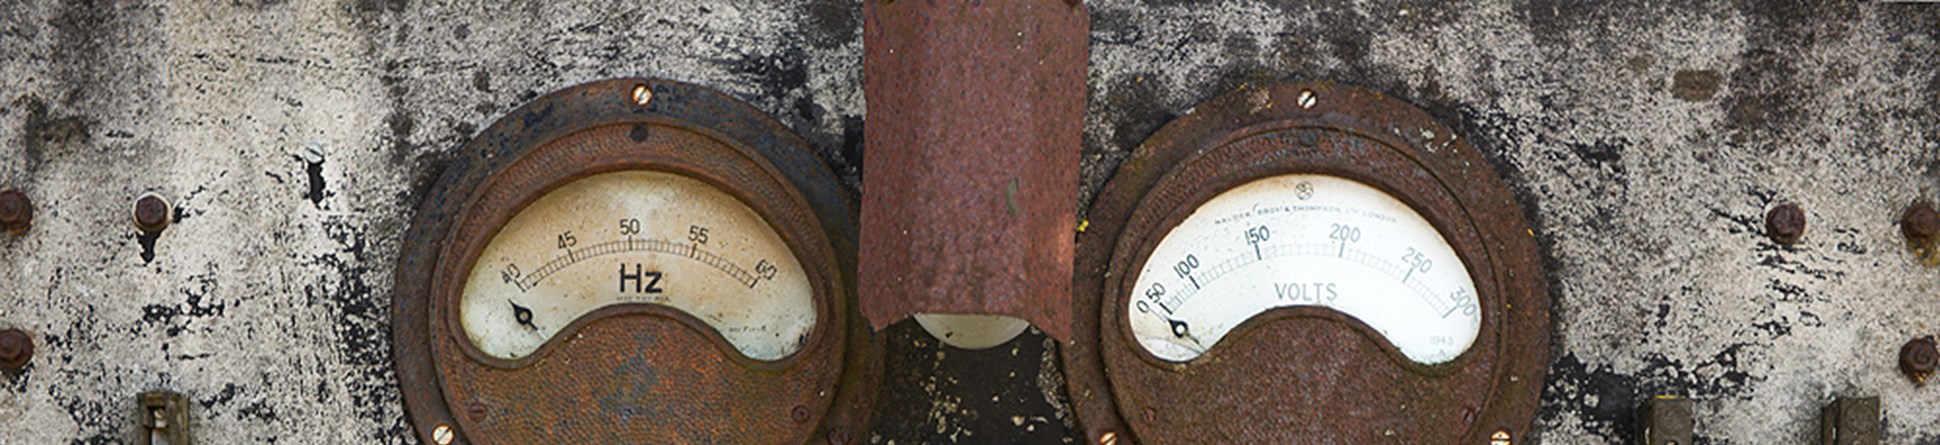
x: 1918, y: 359
x: 1920, y: 223
x: 16, y: 211
x: 1785, y: 223
x: 16, y: 349
x: 151, y: 213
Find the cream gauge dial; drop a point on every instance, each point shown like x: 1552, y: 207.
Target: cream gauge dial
x: 637, y: 237
x: 1305, y: 240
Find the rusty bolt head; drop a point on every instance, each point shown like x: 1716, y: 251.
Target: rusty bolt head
x: 1918, y: 358
x: 16, y: 349
x: 478, y: 411
x: 799, y: 414
x: 1785, y: 223
x: 1920, y: 223
x: 838, y: 436
x: 151, y: 213
x: 16, y: 211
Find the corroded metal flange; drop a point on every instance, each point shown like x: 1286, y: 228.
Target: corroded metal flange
x: 1301, y: 374
x: 636, y: 373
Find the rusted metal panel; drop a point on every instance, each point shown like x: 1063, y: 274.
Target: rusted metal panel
x: 970, y: 179
x: 1296, y: 373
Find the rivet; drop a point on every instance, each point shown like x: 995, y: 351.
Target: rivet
x: 151, y: 213
x: 16, y: 211
x: 1920, y: 223
x: 16, y: 349
x: 1918, y: 358
x: 642, y: 95
x: 1785, y: 224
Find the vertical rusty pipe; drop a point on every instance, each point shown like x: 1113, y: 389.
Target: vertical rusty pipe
x: 976, y: 110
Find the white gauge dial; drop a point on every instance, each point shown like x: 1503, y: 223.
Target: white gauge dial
x: 637, y: 237
x: 1305, y: 240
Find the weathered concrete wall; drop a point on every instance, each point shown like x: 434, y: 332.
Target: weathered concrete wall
x: 1646, y: 138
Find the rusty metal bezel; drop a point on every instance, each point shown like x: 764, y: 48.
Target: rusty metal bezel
x: 1398, y: 149
x: 747, y: 155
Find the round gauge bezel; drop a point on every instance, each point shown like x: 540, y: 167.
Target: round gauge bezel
x: 631, y: 125
x: 1305, y: 128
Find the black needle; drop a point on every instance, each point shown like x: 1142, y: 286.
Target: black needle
x: 521, y: 314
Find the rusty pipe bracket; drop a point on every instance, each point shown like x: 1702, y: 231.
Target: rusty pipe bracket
x: 971, y: 168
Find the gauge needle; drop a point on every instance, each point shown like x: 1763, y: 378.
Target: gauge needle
x: 521, y: 314
x: 1182, y: 330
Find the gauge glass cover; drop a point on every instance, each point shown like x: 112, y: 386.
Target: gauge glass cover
x: 1305, y: 240
x: 637, y: 237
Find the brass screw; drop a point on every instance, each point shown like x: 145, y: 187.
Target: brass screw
x: 642, y: 95
x: 1108, y: 439
x: 442, y: 434
x: 1501, y: 437
x: 1307, y: 99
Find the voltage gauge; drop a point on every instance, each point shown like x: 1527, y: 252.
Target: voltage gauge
x: 1307, y: 263
x: 632, y: 261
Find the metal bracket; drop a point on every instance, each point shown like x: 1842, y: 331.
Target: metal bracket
x: 1667, y: 420
x: 1850, y: 421
x: 164, y: 418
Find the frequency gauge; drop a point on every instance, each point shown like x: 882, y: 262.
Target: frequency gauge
x: 1307, y: 263
x: 632, y: 261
